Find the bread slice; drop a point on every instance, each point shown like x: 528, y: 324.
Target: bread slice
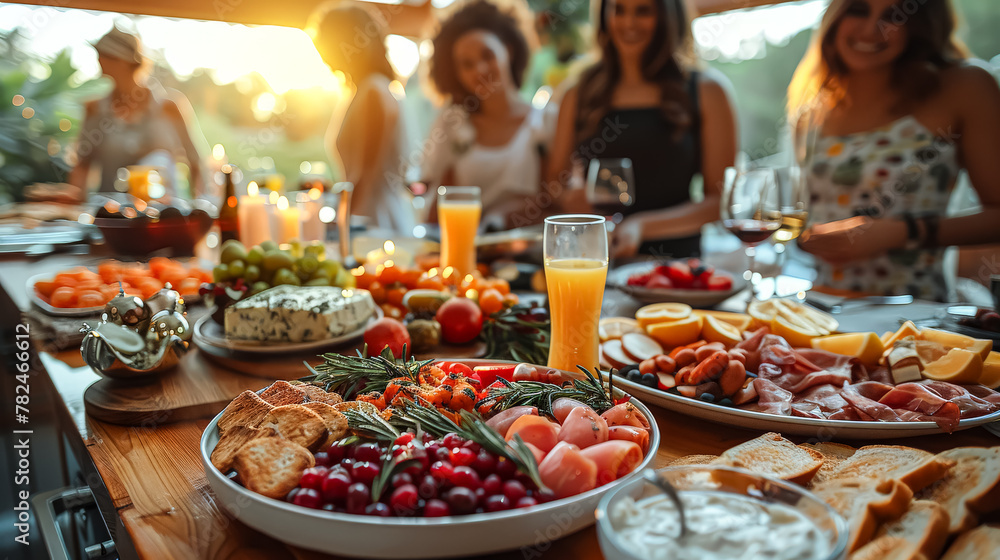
x: 833, y: 455
x: 296, y: 423
x: 773, y: 455
x: 913, y: 467
x: 693, y: 460
x: 336, y: 423
x: 272, y: 466
x: 232, y: 441
x: 247, y: 409
x: 317, y: 394
x: 865, y: 503
x: 281, y: 393
x: 978, y: 544
x: 889, y: 548
x: 924, y: 525
x: 971, y: 488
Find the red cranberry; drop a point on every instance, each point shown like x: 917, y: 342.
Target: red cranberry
x: 514, y: 490
x: 404, y: 438
x: 335, y: 486
x: 461, y: 500
x: 400, y: 479
x: 472, y: 446
x: 492, y: 484
x: 420, y: 454
x: 498, y: 502
x: 323, y: 459
x: 526, y: 501
x: 436, y: 508
x: 466, y: 477
x: 290, y: 498
x: 462, y: 457
x: 452, y: 440
x: 505, y: 468
x: 428, y: 487
x: 485, y: 463
x: 309, y: 498
x: 404, y: 500
x: 442, y: 470
x: 544, y: 496
x: 347, y: 463
x: 378, y: 509
x: 313, y: 477
x: 426, y: 437
x: 441, y: 454
x: 370, y: 452
x: 358, y: 496
x: 365, y: 472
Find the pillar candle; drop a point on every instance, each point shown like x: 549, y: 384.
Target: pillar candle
x: 255, y: 224
x: 287, y: 224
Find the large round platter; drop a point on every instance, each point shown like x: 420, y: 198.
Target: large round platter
x: 529, y: 529
x: 71, y: 311
x: 618, y: 278
x: 822, y: 428
x: 209, y: 333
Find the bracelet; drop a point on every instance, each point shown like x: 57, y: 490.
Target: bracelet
x: 912, y: 233
x: 930, y: 239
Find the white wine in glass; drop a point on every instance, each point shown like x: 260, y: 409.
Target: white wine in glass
x: 793, y: 221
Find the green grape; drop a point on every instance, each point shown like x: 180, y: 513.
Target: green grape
x: 237, y: 268
x: 345, y: 279
x: 322, y: 273
x: 232, y: 250
x: 308, y: 264
x: 285, y: 276
x: 316, y: 249
x: 332, y: 268
x: 252, y: 273
x: 259, y: 287
x: 220, y: 273
x: 277, y: 259
x: 296, y: 249
x: 318, y: 282
x: 255, y: 256
x: 268, y: 245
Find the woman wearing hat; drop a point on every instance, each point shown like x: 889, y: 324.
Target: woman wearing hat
x: 138, y: 123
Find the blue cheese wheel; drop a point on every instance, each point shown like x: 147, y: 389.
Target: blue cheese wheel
x: 298, y: 314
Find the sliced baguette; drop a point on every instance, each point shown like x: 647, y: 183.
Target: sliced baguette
x: 978, y: 544
x: 317, y: 394
x: 889, y: 548
x: 913, y: 467
x: 272, y: 466
x: 247, y: 409
x: 833, y: 455
x: 296, y: 423
x: 336, y: 423
x: 924, y: 525
x: 693, y: 460
x: 971, y: 488
x: 232, y: 441
x: 281, y: 393
x: 866, y: 504
x: 773, y: 455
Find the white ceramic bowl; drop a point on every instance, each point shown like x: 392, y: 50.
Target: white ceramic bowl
x: 737, y: 481
x: 531, y: 529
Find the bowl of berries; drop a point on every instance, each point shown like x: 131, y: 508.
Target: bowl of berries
x: 690, y: 281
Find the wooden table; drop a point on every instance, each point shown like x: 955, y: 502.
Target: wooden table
x: 158, y: 487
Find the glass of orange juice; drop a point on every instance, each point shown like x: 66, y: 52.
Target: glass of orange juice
x: 459, y: 209
x: 576, y: 268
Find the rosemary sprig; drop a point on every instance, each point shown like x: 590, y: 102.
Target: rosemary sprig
x: 509, y: 336
x: 351, y: 375
x: 473, y: 428
x: 422, y: 416
x: 370, y: 425
x: 390, y: 466
x: 589, y: 391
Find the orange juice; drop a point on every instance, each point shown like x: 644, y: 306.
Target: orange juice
x: 576, y: 289
x: 459, y: 222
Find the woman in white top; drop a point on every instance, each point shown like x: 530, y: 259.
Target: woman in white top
x: 487, y: 136
x: 369, y: 140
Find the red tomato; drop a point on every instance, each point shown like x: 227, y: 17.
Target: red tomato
x: 387, y: 332
x: 461, y: 320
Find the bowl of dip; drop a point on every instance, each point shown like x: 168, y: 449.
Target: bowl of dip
x: 731, y: 514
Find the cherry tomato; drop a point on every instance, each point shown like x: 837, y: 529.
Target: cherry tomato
x: 390, y: 274
x: 510, y: 300
x: 490, y: 301
x: 410, y: 278
x: 387, y: 332
x: 378, y: 292
x: 363, y: 277
x: 501, y: 286
x: 460, y: 319
x: 395, y: 295
x: 430, y: 282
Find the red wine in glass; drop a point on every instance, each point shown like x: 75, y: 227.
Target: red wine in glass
x: 751, y: 232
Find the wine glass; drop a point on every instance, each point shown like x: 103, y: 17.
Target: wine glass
x: 751, y: 211
x: 610, y: 186
x: 576, y: 268
x: 793, y: 209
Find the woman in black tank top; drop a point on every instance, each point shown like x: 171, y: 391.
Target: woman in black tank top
x: 642, y: 101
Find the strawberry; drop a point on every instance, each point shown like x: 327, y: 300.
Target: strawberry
x: 659, y: 282
x: 720, y: 282
x: 639, y: 279
x: 680, y: 274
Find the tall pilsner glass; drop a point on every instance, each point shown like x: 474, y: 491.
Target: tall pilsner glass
x: 576, y: 268
x: 459, y: 210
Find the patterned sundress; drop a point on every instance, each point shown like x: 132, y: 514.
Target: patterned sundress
x: 897, y: 169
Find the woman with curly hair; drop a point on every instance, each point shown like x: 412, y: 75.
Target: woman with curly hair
x: 486, y: 135
x: 370, y: 139
x: 645, y: 100
x: 897, y: 113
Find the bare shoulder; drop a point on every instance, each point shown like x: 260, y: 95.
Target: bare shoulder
x: 971, y: 81
x: 714, y: 88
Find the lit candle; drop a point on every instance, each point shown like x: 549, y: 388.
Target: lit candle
x: 287, y: 224
x: 310, y: 204
x: 255, y: 226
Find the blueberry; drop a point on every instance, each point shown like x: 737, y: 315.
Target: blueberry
x: 707, y: 397
x: 634, y: 375
x: 650, y: 380
x: 625, y: 371
x: 726, y: 402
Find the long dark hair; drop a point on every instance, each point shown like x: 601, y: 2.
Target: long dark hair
x: 352, y: 40
x: 931, y: 47
x: 665, y: 63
